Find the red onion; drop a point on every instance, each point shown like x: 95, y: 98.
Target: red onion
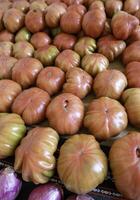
x: 50, y: 191
x: 80, y: 197
x: 10, y: 185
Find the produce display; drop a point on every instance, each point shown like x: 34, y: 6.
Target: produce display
x: 69, y: 85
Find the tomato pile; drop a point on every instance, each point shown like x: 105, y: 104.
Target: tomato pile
x: 54, y: 54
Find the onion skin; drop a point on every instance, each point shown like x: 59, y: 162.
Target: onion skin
x: 81, y: 165
x: 110, y: 83
x: 124, y: 158
x: 131, y: 53
x: 123, y: 24
x: 50, y: 191
x: 51, y: 79
x: 110, y: 47
x: 13, y: 19
x: 105, y: 118
x: 64, y: 41
x: 94, y: 63
x: 67, y: 59
x: 65, y: 113
x: 34, y: 157
x: 80, y: 197
x: 132, y: 72
x: 31, y: 105
x: 10, y: 184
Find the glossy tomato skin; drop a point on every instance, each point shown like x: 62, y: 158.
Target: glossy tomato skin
x: 22, y: 49
x: 112, y: 7
x: 35, y: 21
x: 6, y: 48
x: 78, y: 82
x: 123, y: 24
x: 110, y: 83
x: 31, y: 105
x: 135, y: 35
x: 105, y: 118
x: 6, y: 65
x: 67, y: 59
x: 12, y: 130
x: 91, y: 29
x: 131, y: 101
x: 131, y: 53
x: 64, y: 41
x: 25, y: 71
x: 81, y: 165
x: 40, y: 39
x: 85, y: 45
x: 132, y: 72
x: 9, y: 90
x: 6, y: 36
x: 65, y: 113
x: 94, y: 63
x: 110, y: 47
x: 131, y: 6
x: 78, y: 8
x: 51, y: 79
x: 34, y: 157
x: 13, y: 19
x: 124, y: 159
x: 54, y: 13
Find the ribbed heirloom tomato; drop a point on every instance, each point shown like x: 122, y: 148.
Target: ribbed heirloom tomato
x: 125, y: 164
